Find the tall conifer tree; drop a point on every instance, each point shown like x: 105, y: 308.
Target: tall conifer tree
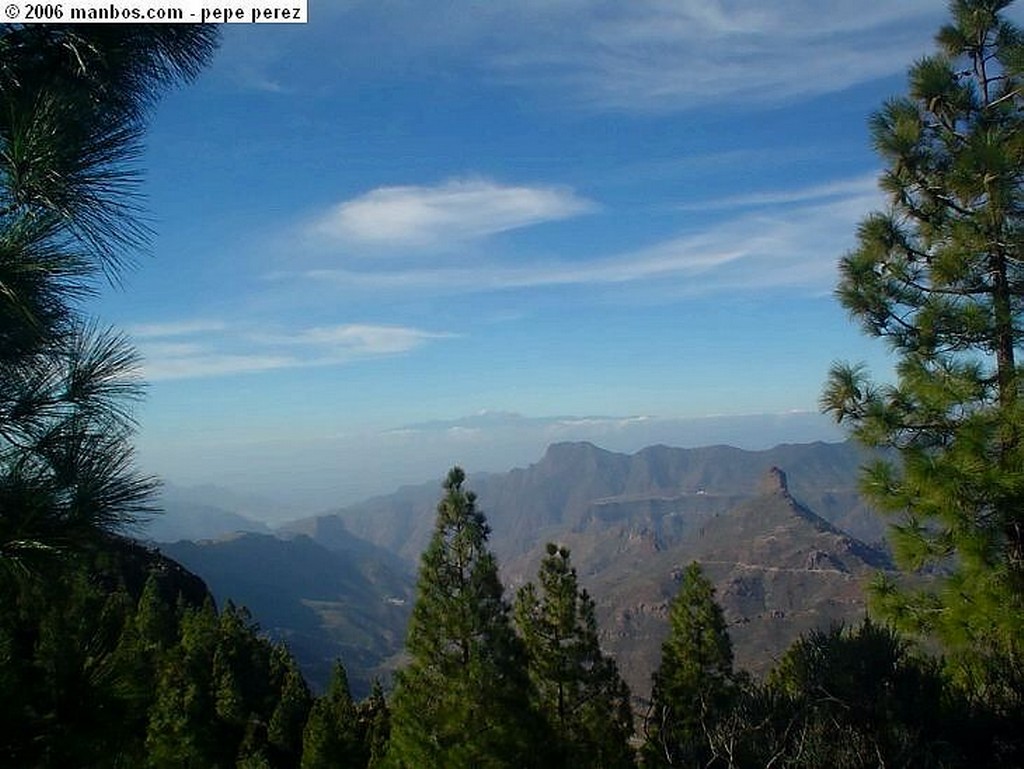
x: 291, y: 710
x: 578, y: 688
x: 939, y: 276
x: 464, y: 698
x: 694, y: 684
x: 331, y: 739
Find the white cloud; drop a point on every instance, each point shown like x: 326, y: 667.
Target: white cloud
x: 680, y: 54
x: 194, y: 366
x: 460, y: 433
x: 650, y: 55
x: 369, y: 340
x: 457, y: 210
x: 241, y: 351
x: 610, y: 54
x: 860, y: 187
x: 175, y: 328
x: 612, y: 423
x: 173, y: 349
x: 787, y: 238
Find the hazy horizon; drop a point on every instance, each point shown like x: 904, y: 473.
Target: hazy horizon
x: 481, y: 443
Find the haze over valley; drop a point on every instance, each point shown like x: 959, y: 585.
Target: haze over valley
x: 253, y: 479
x: 782, y: 532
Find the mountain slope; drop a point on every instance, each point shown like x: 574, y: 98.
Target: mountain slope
x: 191, y: 514
x: 350, y: 601
x: 776, y: 548
x: 572, y: 481
x: 779, y: 570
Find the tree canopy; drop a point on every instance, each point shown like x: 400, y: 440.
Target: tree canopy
x: 577, y: 687
x: 464, y: 699
x: 695, y: 683
x: 939, y: 276
x: 73, y: 108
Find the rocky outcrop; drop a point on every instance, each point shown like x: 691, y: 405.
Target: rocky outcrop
x: 774, y: 482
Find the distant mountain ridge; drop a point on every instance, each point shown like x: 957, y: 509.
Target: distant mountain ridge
x: 572, y: 479
x: 779, y: 569
x: 771, y: 528
x: 198, y: 513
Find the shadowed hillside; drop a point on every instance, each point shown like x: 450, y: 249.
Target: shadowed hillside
x: 334, y: 597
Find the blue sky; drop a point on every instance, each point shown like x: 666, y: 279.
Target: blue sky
x: 407, y: 213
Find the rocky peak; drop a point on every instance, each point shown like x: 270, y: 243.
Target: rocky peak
x: 774, y: 482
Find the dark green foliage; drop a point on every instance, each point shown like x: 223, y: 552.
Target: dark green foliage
x: 73, y: 104
x: 694, y: 686
x: 98, y: 666
x: 464, y: 698
x: 578, y: 688
x: 374, y: 721
x: 76, y: 660
x: 60, y: 684
x: 361, y: 596
x: 225, y: 694
x: 861, y: 696
x: 331, y: 738
x: 292, y: 708
x: 182, y: 718
x: 107, y: 669
x: 939, y: 277
x: 342, y: 734
x: 857, y: 698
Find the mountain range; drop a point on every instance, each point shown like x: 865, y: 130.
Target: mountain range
x: 783, y: 534
x: 203, y: 512
x: 578, y: 482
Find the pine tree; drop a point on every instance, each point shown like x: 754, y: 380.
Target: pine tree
x: 373, y: 717
x: 860, y: 697
x: 155, y: 620
x: 578, y: 688
x: 225, y: 695
x: 694, y: 684
x: 183, y: 728
x: 330, y: 739
x: 291, y: 710
x: 940, y: 277
x: 73, y: 107
x: 464, y: 698
x: 72, y: 709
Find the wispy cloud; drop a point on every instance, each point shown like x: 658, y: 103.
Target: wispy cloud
x: 213, y: 364
x: 653, y: 56
x: 252, y: 62
x: 175, y: 328
x: 455, y: 211
x: 860, y: 187
x: 194, y: 353
x: 775, y: 239
x: 656, y: 55
x: 359, y: 339
x: 676, y: 258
